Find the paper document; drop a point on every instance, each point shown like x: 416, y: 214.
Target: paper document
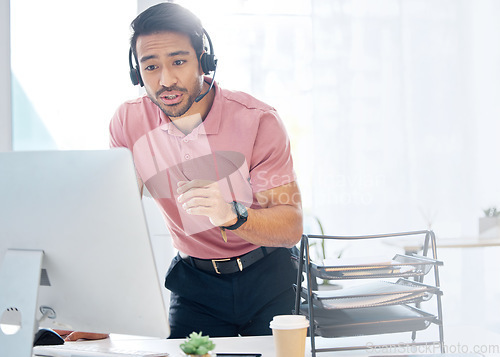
x: 367, y: 295
x: 357, y: 266
x: 357, y: 262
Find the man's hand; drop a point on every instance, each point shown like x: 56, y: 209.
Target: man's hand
x: 76, y: 335
x: 202, y: 197
x: 277, y: 224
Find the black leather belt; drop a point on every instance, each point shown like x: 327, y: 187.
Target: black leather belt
x: 229, y: 265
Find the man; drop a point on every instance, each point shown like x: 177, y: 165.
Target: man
x: 218, y: 163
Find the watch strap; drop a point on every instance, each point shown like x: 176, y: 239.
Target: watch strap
x: 240, y: 219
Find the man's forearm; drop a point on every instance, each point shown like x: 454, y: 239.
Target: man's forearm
x: 278, y: 223
x: 277, y: 226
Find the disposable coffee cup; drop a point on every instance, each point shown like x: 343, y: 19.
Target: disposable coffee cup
x: 290, y: 332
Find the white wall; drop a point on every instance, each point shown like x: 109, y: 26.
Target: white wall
x: 5, y: 93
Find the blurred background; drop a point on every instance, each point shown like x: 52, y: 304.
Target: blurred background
x: 392, y: 106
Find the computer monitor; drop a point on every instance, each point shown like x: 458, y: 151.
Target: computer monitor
x: 74, y: 245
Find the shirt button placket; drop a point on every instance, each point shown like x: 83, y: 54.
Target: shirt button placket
x: 186, y: 156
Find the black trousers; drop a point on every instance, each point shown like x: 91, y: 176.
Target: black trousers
x: 241, y: 303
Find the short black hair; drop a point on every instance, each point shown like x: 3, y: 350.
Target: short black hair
x: 168, y: 16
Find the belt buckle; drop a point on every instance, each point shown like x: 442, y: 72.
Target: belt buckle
x: 214, y: 263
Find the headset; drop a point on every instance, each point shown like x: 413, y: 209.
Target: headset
x: 208, y: 63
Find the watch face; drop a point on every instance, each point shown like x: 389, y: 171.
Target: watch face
x: 240, y: 209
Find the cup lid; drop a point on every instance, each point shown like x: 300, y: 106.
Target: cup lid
x: 289, y: 322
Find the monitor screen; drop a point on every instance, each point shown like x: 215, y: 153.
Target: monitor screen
x: 83, y: 210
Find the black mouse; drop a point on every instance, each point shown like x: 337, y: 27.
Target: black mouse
x: 45, y: 337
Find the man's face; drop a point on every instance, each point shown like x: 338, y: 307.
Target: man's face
x: 171, y: 72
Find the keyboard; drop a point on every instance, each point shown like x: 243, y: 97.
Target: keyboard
x: 85, y: 350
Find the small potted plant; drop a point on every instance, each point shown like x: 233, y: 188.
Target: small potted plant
x: 197, y: 345
x: 321, y: 252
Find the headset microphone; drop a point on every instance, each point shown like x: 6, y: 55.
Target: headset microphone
x: 201, y: 96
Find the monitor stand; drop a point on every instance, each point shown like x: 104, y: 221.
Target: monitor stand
x: 19, y: 281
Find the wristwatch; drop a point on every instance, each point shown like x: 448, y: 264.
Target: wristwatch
x: 241, y: 215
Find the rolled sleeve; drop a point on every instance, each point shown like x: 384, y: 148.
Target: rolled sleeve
x: 272, y: 164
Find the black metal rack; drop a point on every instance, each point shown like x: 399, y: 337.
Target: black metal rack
x: 391, y: 307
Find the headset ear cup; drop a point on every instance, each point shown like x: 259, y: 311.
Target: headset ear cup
x: 211, y: 62
x: 139, y: 77
x: 203, y: 63
x: 208, y: 63
x: 135, y: 77
x: 135, y: 74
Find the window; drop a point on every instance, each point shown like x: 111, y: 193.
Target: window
x: 69, y: 71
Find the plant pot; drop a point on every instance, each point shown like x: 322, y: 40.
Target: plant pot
x: 489, y: 227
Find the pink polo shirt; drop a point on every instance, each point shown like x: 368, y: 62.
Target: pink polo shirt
x: 242, y: 145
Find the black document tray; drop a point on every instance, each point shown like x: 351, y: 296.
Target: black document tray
x: 399, y: 266
x: 369, y: 321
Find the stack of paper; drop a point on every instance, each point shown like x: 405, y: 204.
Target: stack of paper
x: 359, y: 266
x: 375, y: 293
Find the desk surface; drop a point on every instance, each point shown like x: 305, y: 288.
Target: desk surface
x: 458, y: 339
x: 467, y: 242
x: 413, y: 245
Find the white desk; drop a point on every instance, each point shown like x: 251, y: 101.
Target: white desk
x: 414, y: 245
x: 458, y: 339
x: 258, y: 344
